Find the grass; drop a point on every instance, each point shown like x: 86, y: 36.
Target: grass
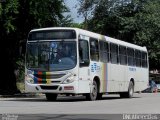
x: 21, y: 86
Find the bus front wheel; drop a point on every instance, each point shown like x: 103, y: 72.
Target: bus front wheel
x: 94, y: 92
x: 51, y: 96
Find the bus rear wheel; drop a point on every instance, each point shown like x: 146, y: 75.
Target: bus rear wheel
x: 129, y: 93
x: 51, y: 96
x: 94, y: 92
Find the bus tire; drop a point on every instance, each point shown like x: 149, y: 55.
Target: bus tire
x: 99, y: 96
x: 129, y: 93
x: 51, y: 96
x: 130, y: 90
x: 94, y: 92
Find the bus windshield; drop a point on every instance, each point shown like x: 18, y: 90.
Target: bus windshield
x: 51, y: 55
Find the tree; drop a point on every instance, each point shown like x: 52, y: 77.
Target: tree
x: 8, y: 12
x: 17, y: 18
x: 148, y: 22
x: 135, y: 21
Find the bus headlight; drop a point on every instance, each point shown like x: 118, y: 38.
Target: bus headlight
x: 29, y: 79
x: 70, y: 79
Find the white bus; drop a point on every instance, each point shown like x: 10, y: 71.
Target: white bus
x: 62, y: 60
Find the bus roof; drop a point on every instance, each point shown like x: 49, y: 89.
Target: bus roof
x: 95, y: 35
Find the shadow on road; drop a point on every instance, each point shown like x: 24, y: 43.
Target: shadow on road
x: 64, y: 99
x: 71, y: 117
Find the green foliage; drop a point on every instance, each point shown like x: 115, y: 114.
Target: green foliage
x: 8, y: 12
x: 65, y: 21
x: 17, y: 18
x: 1, y: 10
x: 135, y: 21
x: 77, y: 25
x: 46, y: 13
x: 21, y: 86
x: 148, y: 22
x: 19, y: 72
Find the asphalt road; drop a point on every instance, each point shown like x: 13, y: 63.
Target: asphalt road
x: 144, y: 103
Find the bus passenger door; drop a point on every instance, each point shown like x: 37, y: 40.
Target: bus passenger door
x: 84, y: 72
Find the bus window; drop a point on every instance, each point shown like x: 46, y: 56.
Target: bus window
x: 130, y: 53
x: 122, y: 55
x: 83, y: 53
x: 114, y: 53
x: 104, y: 51
x: 94, y: 50
x: 138, y: 58
x: 144, y: 59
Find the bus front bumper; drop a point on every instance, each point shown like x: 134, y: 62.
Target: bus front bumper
x: 45, y: 88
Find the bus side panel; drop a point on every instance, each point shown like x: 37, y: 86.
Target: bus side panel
x: 118, y: 76
x: 122, y: 78
x: 137, y: 79
x: 112, y: 78
x: 84, y: 80
x: 141, y: 79
x: 145, y: 79
x: 103, y: 78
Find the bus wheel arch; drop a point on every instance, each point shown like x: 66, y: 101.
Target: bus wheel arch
x: 95, y: 90
x: 99, y: 95
x: 132, y: 80
x: 97, y: 80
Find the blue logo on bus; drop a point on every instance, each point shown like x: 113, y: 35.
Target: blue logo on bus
x: 95, y: 67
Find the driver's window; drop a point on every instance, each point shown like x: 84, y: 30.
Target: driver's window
x: 83, y: 53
